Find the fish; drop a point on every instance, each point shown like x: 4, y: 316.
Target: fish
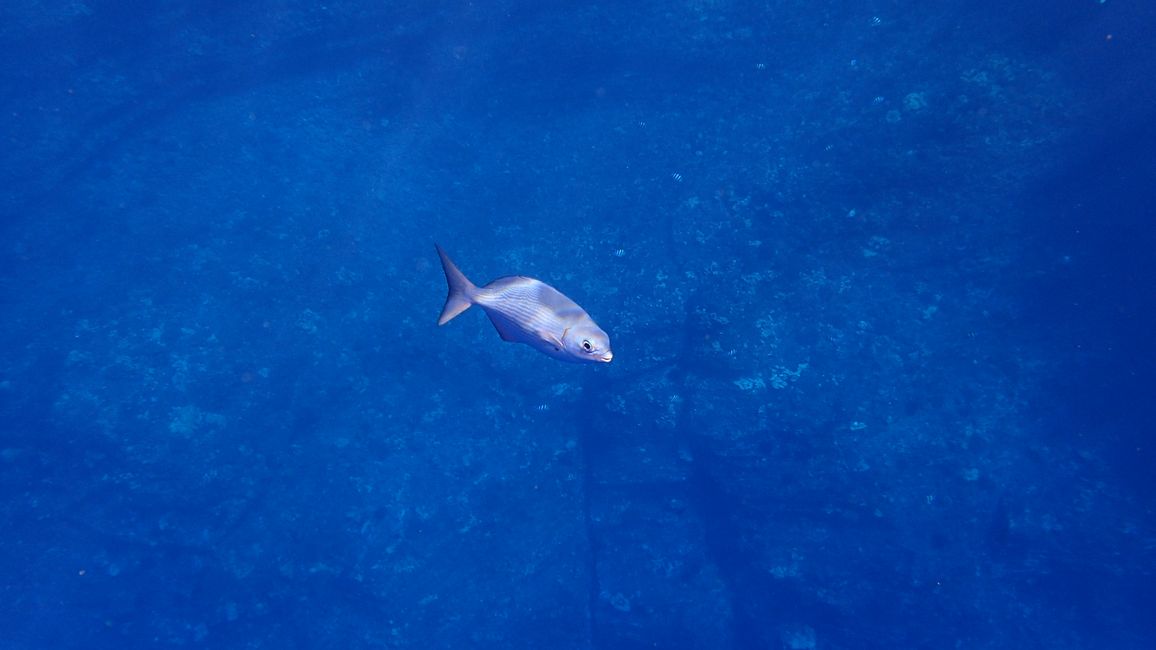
x: 529, y: 311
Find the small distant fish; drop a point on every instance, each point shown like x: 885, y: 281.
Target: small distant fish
x: 525, y: 310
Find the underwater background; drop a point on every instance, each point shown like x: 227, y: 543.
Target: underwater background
x: 879, y: 279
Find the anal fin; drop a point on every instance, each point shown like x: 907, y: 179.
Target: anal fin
x: 506, y: 328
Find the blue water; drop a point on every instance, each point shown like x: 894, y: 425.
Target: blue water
x: 880, y: 280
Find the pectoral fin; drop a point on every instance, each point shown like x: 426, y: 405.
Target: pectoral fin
x: 558, y: 342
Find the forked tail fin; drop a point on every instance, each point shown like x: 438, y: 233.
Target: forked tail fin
x: 462, y: 291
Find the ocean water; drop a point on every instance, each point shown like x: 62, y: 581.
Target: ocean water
x: 879, y: 279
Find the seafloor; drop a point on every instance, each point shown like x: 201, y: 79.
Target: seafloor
x: 841, y: 409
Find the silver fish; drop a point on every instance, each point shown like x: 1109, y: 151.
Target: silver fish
x: 525, y: 310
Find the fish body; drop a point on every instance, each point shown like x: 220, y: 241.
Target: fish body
x: 525, y: 310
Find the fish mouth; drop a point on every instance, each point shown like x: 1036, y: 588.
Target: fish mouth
x: 607, y: 358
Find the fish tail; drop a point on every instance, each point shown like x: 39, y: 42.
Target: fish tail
x: 462, y: 291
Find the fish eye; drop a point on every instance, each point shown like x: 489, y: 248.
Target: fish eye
x: 586, y: 345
